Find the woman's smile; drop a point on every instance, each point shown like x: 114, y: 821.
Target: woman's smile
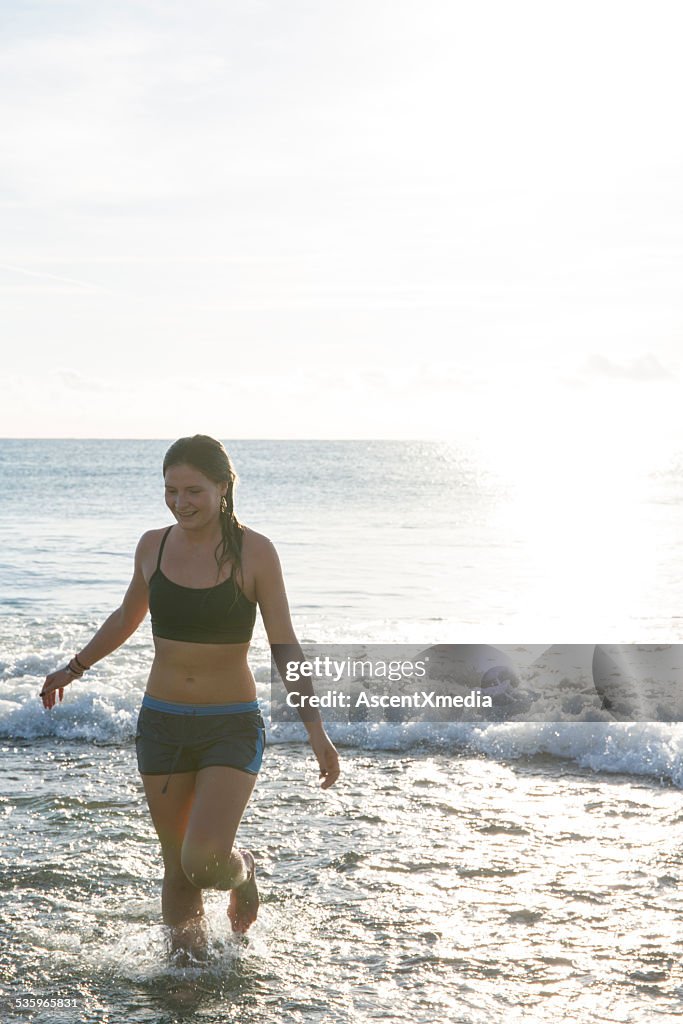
x: 185, y: 483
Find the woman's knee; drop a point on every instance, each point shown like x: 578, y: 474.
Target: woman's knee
x: 209, y: 866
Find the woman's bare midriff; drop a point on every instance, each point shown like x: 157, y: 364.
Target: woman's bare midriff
x: 200, y: 673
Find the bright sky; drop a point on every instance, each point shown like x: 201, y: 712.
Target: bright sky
x: 354, y: 218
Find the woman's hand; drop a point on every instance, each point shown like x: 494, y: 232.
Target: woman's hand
x: 327, y: 757
x: 55, y: 681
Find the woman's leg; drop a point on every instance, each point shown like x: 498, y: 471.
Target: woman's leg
x: 181, y: 902
x: 209, y: 861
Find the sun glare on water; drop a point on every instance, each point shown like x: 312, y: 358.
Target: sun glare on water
x: 575, y: 505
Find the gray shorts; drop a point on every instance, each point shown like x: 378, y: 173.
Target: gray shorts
x: 172, y: 738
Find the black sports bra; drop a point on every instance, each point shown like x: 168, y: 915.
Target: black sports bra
x: 206, y: 615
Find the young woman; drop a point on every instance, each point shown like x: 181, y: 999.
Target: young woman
x: 200, y: 735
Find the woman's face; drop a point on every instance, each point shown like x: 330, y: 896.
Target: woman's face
x: 193, y: 499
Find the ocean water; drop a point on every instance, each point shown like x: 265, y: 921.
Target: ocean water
x: 456, y: 872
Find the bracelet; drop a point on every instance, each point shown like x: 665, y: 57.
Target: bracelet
x: 75, y: 672
x: 80, y: 663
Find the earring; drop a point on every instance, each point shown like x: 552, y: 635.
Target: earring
x: 224, y: 506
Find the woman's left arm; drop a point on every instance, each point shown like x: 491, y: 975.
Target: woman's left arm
x: 272, y: 601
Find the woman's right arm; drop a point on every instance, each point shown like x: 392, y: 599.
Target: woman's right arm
x: 120, y: 625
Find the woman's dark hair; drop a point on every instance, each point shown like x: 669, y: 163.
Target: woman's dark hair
x: 210, y: 458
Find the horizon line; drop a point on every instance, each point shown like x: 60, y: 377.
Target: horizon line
x: 435, y: 440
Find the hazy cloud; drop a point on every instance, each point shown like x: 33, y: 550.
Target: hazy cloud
x: 646, y: 367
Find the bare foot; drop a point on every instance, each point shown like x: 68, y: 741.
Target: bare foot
x: 244, y: 901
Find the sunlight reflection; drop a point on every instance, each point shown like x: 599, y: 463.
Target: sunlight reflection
x: 575, y: 503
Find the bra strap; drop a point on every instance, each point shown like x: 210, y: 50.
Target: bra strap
x: 161, y: 548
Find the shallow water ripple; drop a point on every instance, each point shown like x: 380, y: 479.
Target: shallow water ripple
x: 444, y: 889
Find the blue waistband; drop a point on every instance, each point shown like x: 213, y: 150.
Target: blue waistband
x: 172, y: 708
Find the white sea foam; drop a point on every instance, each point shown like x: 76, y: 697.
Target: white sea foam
x: 105, y: 715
